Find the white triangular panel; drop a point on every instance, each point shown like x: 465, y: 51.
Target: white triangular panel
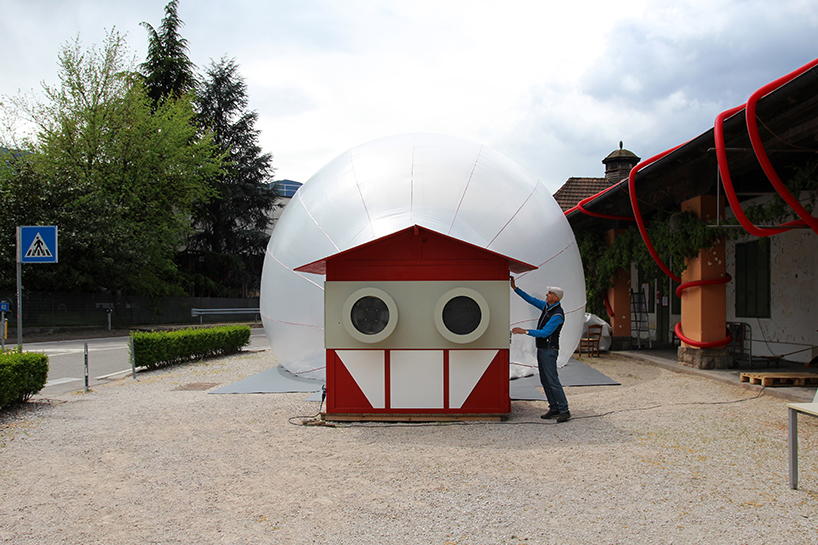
x: 367, y: 369
x: 466, y: 367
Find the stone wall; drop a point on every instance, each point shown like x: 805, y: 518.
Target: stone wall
x: 794, y: 297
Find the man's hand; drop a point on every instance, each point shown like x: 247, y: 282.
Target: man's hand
x: 519, y: 330
x: 513, y: 283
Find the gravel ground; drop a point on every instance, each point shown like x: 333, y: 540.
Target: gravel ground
x: 663, y: 458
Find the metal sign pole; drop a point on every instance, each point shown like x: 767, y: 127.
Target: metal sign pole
x: 133, y: 357
x: 41, y: 242
x: 86, y: 367
x: 19, y: 292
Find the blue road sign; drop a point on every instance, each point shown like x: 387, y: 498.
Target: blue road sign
x: 38, y: 244
x: 4, y: 307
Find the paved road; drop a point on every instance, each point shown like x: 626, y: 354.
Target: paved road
x: 108, y: 359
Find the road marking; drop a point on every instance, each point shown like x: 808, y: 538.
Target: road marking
x: 109, y: 375
x: 60, y: 381
x: 68, y: 351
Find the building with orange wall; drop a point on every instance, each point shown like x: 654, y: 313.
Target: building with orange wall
x: 760, y: 283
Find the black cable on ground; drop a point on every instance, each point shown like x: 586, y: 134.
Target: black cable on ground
x: 321, y: 422
x: 759, y: 394
x: 313, y: 419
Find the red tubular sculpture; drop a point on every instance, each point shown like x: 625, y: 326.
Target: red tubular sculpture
x: 608, y: 306
x: 678, y: 329
x: 581, y: 207
x: 640, y: 222
x: 727, y: 182
x: 724, y: 171
x: 761, y: 153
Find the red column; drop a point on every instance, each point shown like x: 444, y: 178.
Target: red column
x: 704, y: 308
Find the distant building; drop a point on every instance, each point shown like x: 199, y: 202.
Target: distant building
x: 286, y: 191
x: 287, y: 188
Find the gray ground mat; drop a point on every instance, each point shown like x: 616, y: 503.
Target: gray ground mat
x: 272, y: 381
x: 574, y: 373
x: 279, y: 380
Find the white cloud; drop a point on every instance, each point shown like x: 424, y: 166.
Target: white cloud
x: 553, y: 85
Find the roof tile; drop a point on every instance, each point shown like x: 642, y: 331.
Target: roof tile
x: 576, y: 189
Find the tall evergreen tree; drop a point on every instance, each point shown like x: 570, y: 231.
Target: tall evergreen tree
x: 168, y: 71
x: 232, y: 230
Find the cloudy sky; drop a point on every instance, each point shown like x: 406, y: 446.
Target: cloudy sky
x: 553, y: 86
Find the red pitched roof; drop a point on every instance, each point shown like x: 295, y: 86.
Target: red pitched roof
x: 320, y: 266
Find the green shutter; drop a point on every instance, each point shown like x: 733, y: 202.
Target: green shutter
x: 753, y: 279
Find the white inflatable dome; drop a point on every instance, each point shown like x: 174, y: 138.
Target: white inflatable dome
x: 453, y: 186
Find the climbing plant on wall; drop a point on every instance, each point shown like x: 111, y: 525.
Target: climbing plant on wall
x: 675, y: 236
x: 802, y: 182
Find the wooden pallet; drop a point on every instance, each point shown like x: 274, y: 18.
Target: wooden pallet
x: 781, y: 379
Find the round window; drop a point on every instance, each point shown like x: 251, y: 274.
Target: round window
x: 462, y: 315
x: 370, y: 315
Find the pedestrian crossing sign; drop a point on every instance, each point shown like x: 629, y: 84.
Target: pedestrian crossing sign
x: 37, y: 244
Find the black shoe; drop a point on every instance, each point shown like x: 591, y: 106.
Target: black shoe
x: 550, y: 414
x: 564, y: 417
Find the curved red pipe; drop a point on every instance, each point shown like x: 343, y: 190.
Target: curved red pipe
x: 761, y: 153
x: 678, y: 327
x: 608, y: 306
x: 702, y: 344
x: 637, y: 214
x: 581, y: 207
x: 721, y: 154
x: 727, y: 181
x: 637, y: 217
x: 711, y: 282
x: 640, y: 222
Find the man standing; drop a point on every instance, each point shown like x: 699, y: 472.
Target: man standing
x: 547, y: 337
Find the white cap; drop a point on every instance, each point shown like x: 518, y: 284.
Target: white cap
x: 556, y: 291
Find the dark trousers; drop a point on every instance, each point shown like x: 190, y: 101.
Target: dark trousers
x: 550, y: 380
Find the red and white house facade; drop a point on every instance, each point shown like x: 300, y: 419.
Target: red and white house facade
x: 416, y: 326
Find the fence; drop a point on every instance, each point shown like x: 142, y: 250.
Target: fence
x: 49, y: 310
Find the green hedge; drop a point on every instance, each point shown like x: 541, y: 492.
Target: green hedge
x: 155, y: 349
x: 21, y: 376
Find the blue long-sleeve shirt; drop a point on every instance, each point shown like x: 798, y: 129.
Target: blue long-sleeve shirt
x: 551, y: 325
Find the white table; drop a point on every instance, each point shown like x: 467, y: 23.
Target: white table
x: 794, y: 409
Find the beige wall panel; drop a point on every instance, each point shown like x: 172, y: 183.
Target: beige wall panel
x: 416, y: 302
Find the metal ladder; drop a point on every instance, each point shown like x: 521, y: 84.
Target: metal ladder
x: 639, y: 318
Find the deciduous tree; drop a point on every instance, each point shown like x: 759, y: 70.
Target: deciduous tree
x: 121, y: 179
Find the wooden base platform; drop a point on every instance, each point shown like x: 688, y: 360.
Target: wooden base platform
x: 781, y: 379
x: 414, y: 417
